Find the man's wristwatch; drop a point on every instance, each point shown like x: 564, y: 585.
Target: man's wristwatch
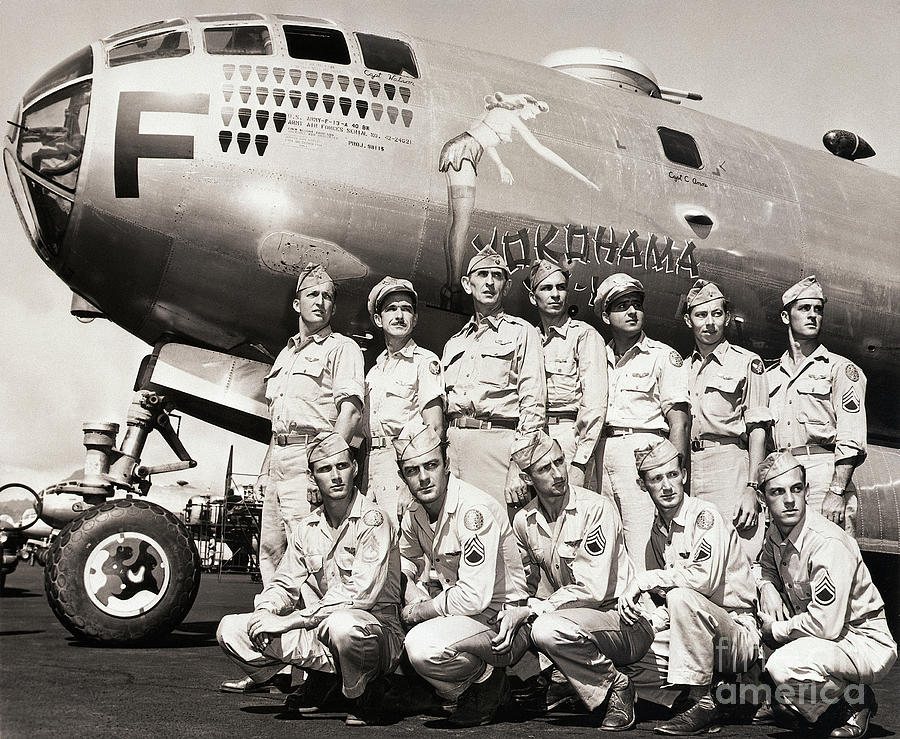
x: 837, y: 490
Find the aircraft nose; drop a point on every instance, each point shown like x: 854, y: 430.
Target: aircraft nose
x: 44, y: 149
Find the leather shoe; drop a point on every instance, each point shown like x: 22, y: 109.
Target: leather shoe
x: 856, y: 719
x: 370, y: 709
x: 247, y: 685
x: 695, y: 720
x: 620, y: 709
x: 479, y: 704
x: 319, y: 690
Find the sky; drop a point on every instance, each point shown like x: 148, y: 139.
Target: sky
x: 794, y: 69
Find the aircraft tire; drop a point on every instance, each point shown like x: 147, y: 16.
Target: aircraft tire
x: 92, y: 562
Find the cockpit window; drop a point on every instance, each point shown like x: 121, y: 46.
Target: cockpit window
x: 237, y: 40
x: 155, y: 26
x: 163, y: 46
x: 318, y: 44
x: 680, y: 147
x: 80, y: 64
x: 51, y: 140
x: 387, y: 55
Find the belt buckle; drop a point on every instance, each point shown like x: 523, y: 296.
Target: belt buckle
x: 696, y: 445
x: 281, y: 439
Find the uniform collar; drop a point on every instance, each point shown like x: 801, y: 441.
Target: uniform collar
x: 680, y: 518
x: 493, y: 321
x: 559, y: 330
x: 718, y: 353
x: 797, y: 535
x: 407, y: 352
x: 318, y: 513
x: 451, y: 500
x: 821, y: 354
x: 319, y: 336
x: 640, y: 346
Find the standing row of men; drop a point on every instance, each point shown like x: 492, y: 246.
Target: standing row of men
x: 502, y: 384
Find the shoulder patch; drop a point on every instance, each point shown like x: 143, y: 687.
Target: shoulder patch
x: 705, y: 520
x: 434, y: 367
x: 473, y: 519
x: 704, y: 551
x: 851, y: 372
x: 824, y: 590
x: 595, y: 542
x: 675, y: 358
x: 756, y: 366
x: 473, y: 551
x: 373, y: 518
x: 850, y: 400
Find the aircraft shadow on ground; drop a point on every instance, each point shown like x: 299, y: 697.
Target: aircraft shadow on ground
x: 19, y: 593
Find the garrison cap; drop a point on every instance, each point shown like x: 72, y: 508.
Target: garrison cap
x: 808, y: 287
x: 614, y: 286
x: 415, y: 438
x: 384, y: 288
x: 487, y: 258
x: 541, y: 269
x: 310, y: 276
x: 326, y: 444
x: 777, y: 463
x: 655, y: 455
x: 702, y: 292
x: 531, y: 449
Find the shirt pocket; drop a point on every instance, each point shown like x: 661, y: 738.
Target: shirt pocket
x: 567, y: 551
x: 496, y: 363
x: 344, y: 560
x: 314, y: 563
x: 306, y: 378
x: 451, y: 369
x: 638, y: 383
x: 723, y: 395
x: 814, y: 399
x: 562, y: 380
x: 272, y: 379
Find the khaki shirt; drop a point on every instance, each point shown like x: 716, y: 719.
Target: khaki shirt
x: 823, y: 402
x: 582, y: 553
x: 310, y: 380
x: 701, y: 551
x: 399, y: 386
x: 472, y: 549
x: 728, y: 391
x: 823, y: 580
x: 355, y: 566
x: 495, y: 367
x: 575, y: 364
x: 644, y: 385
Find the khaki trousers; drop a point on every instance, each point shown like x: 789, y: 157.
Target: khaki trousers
x: 352, y: 641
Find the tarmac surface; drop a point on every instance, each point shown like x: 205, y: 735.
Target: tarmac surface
x: 51, y: 685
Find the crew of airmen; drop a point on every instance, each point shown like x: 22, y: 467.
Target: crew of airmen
x: 542, y: 514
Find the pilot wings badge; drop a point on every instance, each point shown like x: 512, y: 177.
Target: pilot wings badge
x: 473, y: 551
x: 595, y: 542
x: 824, y: 590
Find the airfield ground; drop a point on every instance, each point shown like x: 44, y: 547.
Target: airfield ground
x: 51, y: 685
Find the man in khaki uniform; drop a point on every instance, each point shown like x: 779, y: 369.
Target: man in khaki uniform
x: 819, y: 402
x: 648, y: 399
x: 494, y: 378
x: 575, y: 366
x: 729, y: 415
x: 708, y: 624
x: 405, y: 382
x: 819, y: 608
x: 465, y: 535
x: 345, y: 552
x: 315, y: 385
x: 574, y: 537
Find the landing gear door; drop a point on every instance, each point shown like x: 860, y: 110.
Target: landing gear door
x: 219, y: 388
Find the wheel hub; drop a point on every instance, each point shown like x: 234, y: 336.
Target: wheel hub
x: 126, y: 574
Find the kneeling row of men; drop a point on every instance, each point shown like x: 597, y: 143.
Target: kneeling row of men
x: 479, y: 593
